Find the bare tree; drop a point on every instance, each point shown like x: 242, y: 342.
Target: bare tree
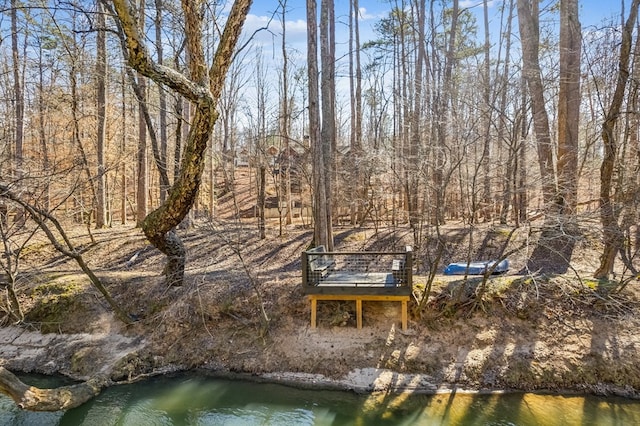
x: 101, y: 107
x: 14, y: 239
x: 487, y: 110
x: 161, y: 160
x: 513, y: 141
x: 328, y: 110
x: 442, y: 125
x: 123, y: 144
x: 569, y: 107
x: 613, y: 235
x: 319, y: 149
x: 559, y: 189
x: 563, y: 198
x: 285, y: 117
x: 261, y: 140
x: 355, y: 177
x: 202, y: 87
x: 529, y: 23
x: 142, y: 178
x: 73, y: 46
x: 412, y: 151
x: 42, y: 42
x: 18, y: 89
x: 63, y: 244
x: 355, y: 72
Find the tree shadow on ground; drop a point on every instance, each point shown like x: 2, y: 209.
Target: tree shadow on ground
x: 552, y: 252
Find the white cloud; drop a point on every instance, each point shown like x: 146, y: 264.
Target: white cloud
x: 465, y: 4
x: 470, y: 4
x: 365, y: 15
x: 294, y: 27
x: 298, y: 26
x: 255, y: 21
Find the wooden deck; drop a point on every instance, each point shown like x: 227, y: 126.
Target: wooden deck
x: 358, y: 279
x: 357, y: 276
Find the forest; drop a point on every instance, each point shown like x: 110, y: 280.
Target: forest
x: 509, y: 116
x: 441, y: 117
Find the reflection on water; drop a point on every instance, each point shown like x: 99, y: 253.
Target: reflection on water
x: 189, y: 400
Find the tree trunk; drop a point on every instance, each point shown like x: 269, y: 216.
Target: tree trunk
x: 569, y: 108
x: 412, y: 153
x: 76, y: 113
x: 522, y: 199
x: 123, y: 167
x: 487, y: 204
x: 509, y: 178
x: 320, y: 195
x: 262, y: 185
x: 36, y: 399
x: 202, y: 88
x: 18, y: 92
x: 161, y: 160
x: 442, y: 127
x: 360, y: 189
x: 634, y: 135
x: 328, y: 110
x: 528, y: 20
x: 181, y: 117
x: 142, y: 178
x: 261, y: 140
x: 285, y: 116
x: 613, y: 235
x: 42, y: 116
x: 101, y: 126
x: 554, y: 242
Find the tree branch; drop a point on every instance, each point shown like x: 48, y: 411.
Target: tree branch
x: 40, y: 217
x: 140, y: 59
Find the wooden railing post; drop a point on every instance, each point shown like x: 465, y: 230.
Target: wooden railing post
x: 305, y: 268
x: 409, y: 266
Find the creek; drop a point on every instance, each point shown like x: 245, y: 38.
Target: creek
x: 195, y: 400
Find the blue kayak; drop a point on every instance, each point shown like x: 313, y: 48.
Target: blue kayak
x: 476, y: 268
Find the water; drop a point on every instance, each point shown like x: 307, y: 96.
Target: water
x: 191, y: 400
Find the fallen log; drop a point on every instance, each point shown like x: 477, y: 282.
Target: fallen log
x: 62, y: 398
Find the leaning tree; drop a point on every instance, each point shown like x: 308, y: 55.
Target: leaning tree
x: 202, y: 87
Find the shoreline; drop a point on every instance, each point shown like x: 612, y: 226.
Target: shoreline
x: 357, y: 383
x: 75, y: 358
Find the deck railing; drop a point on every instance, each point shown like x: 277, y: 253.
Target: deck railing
x: 357, y: 273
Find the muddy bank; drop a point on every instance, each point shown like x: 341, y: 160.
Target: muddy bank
x: 474, y: 355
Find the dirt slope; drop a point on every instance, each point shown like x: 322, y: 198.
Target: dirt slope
x: 551, y: 332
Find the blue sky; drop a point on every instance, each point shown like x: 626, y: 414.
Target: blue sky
x: 592, y: 13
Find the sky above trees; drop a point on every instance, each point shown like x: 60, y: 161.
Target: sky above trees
x: 592, y: 13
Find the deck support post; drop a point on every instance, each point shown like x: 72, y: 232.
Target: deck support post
x: 314, y: 305
x: 404, y: 314
x: 313, y: 298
